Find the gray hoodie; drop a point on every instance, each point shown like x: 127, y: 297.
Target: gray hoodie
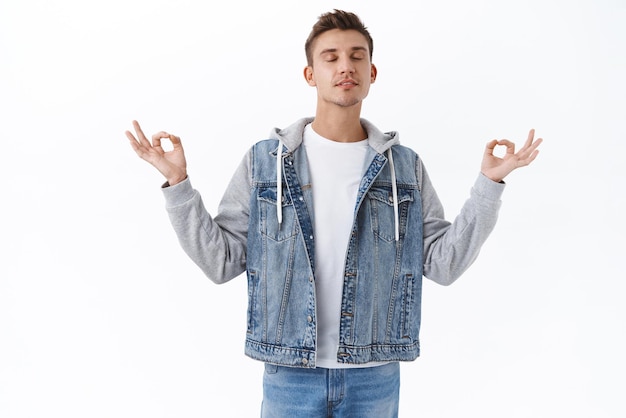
x: 218, y: 244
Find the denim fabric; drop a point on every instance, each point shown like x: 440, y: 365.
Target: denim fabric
x: 370, y: 392
x: 381, y: 299
x: 382, y: 281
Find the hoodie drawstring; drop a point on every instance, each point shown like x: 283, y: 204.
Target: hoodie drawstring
x: 279, y: 182
x: 279, y: 188
x: 394, y: 194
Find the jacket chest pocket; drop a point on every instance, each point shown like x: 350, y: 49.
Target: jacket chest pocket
x: 268, y: 225
x: 382, y: 212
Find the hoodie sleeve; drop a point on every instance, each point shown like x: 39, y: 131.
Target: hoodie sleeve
x: 450, y: 248
x: 216, y: 244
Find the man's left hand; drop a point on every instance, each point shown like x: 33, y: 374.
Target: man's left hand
x: 497, y: 168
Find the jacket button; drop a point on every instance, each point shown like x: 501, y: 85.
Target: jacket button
x: 305, y: 361
x: 309, y: 318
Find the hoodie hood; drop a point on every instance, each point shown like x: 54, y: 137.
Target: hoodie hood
x: 291, y: 136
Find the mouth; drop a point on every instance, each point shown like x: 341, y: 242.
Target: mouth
x: 347, y: 83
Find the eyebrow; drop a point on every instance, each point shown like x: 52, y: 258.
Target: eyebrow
x: 332, y: 50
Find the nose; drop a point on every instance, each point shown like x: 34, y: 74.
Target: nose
x: 346, y: 66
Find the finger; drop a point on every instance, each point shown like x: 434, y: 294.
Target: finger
x: 156, y: 140
x: 529, y: 140
x: 175, y: 141
x: 491, y: 145
x: 510, y: 146
x: 130, y: 136
x: 138, y: 147
x: 535, y: 144
x: 531, y: 135
x: 528, y: 150
x: 156, y: 144
x: 528, y: 160
x: 140, y: 135
x: 157, y: 136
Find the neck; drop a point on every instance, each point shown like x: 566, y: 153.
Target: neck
x: 340, y: 125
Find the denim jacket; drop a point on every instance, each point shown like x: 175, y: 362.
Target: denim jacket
x: 398, y: 235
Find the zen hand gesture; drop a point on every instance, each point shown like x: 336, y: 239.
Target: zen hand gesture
x: 171, y: 164
x: 497, y: 168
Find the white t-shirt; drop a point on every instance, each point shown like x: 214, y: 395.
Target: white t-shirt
x: 336, y: 169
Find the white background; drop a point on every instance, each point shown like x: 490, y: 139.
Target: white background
x: 101, y: 313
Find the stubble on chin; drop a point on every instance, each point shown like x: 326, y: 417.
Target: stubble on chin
x: 346, y: 101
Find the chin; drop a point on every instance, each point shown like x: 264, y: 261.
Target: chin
x: 347, y: 102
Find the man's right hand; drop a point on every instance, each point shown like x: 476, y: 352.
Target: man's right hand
x: 171, y: 164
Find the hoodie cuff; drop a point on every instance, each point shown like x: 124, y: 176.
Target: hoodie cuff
x: 177, y: 194
x: 487, y: 188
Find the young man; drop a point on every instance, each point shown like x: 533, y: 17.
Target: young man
x: 335, y: 224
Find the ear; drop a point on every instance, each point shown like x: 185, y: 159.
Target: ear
x: 373, y: 73
x: 308, y: 76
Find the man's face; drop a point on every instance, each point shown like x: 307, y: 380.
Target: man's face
x: 341, y: 70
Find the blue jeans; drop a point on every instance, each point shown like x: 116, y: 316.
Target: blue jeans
x: 371, y: 392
